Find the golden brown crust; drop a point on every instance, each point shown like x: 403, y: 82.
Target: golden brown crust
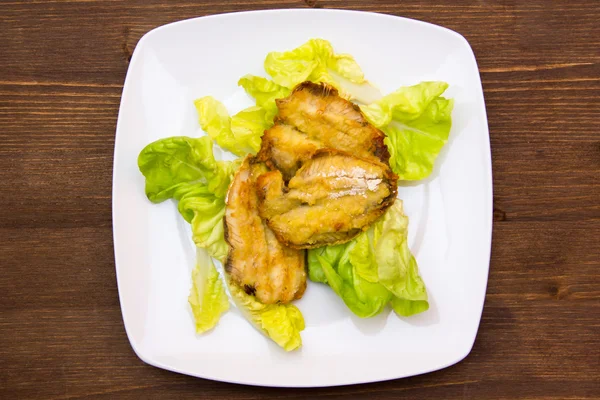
x: 257, y: 261
x: 312, y: 117
x: 321, y: 89
x: 376, y: 136
x: 330, y: 200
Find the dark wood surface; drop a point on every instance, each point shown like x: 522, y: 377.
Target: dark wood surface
x: 62, y: 67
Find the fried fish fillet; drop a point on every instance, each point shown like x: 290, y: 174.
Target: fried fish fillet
x: 314, y: 116
x: 257, y: 261
x: 330, y: 200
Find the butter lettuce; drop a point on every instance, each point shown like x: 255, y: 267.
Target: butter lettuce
x: 240, y: 134
x: 265, y: 92
x: 314, y: 61
x: 362, y: 257
x: 396, y: 266
x: 417, y: 121
x: 185, y: 169
x: 373, y: 270
x: 332, y: 265
x: 280, y: 322
x: 207, y: 298
x: 205, y: 211
x: 175, y: 165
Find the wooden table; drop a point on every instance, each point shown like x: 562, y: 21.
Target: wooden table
x: 62, y: 66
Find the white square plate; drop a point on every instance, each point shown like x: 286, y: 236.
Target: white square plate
x: 450, y: 213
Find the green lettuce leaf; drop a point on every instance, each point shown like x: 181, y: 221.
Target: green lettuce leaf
x: 207, y: 298
x: 332, y: 265
x: 265, y: 92
x: 362, y: 257
x: 417, y: 122
x: 240, y: 134
x: 185, y: 169
x: 374, y: 269
x: 313, y: 61
x: 280, y: 322
x: 316, y: 61
x: 406, y: 308
x: 205, y: 211
x: 175, y: 165
x: 396, y: 265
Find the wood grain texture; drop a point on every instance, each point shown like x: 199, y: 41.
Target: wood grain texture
x: 62, y: 67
